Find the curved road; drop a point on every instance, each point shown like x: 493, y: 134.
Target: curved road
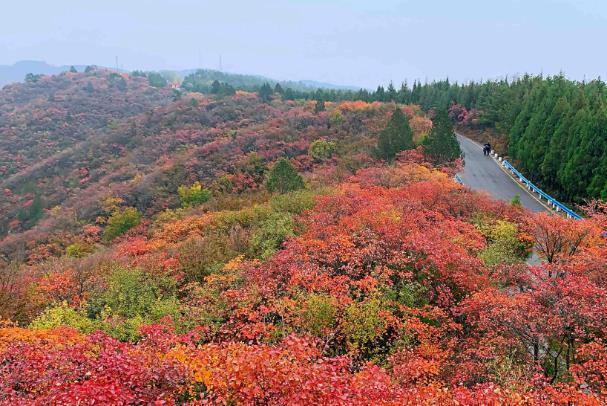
x: 482, y: 174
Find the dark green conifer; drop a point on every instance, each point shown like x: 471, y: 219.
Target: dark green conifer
x: 284, y: 178
x: 265, y: 93
x: 396, y: 137
x: 441, y: 144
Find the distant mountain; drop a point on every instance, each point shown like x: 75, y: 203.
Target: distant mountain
x: 201, y: 80
x: 17, y: 71
x: 323, y: 85
x: 243, y: 80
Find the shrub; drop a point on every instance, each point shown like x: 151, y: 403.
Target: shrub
x: 120, y: 222
x: 516, y: 200
x: 335, y: 118
x: 195, y: 195
x: 270, y: 235
x: 78, y: 250
x: 131, y: 300
x: 363, y: 326
x: 63, y: 315
x: 319, y: 314
x: 294, y: 202
x: 504, y: 246
x: 322, y: 149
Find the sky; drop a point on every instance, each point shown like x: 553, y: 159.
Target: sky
x: 356, y: 42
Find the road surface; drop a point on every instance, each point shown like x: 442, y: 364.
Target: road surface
x: 481, y: 173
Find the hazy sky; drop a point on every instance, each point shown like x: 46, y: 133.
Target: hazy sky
x: 356, y: 42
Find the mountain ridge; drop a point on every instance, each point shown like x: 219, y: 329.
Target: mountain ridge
x: 16, y: 73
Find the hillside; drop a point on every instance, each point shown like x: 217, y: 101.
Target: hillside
x: 66, y: 148
x: 201, y: 80
x: 55, y: 134
x: 176, y: 247
x: 17, y: 71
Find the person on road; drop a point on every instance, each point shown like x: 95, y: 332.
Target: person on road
x: 486, y: 150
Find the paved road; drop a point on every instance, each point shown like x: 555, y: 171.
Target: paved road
x: 481, y: 173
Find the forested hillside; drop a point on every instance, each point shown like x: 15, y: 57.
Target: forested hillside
x: 554, y: 129
x: 202, y: 80
x: 252, y: 249
x: 70, y: 142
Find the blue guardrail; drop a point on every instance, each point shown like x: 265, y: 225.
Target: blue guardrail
x: 551, y: 201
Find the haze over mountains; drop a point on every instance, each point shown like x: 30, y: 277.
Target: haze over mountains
x: 17, y: 71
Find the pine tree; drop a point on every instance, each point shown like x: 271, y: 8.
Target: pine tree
x: 396, y: 137
x: 89, y: 88
x: 402, y: 135
x: 380, y: 94
x: 265, y: 93
x: 391, y: 92
x: 215, y: 87
x: 441, y: 144
x: 320, y: 106
x: 384, y: 149
x: 284, y: 178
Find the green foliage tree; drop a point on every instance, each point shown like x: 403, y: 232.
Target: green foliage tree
x: 441, y: 144
x: 322, y: 149
x: 516, y: 200
x: 265, y: 93
x: 194, y: 195
x: 131, y: 299
x: 78, y: 250
x: 62, y: 315
x: 284, y: 178
x: 89, y: 88
x: 335, y: 119
x: 319, y: 106
x: 32, y: 78
x: 319, y: 314
x: 215, y: 87
x: 120, y: 222
x: 116, y: 80
x: 156, y: 79
x: 34, y: 212
x: 503, y: 244
x: 255, y: 167
x: 270, y: 235
x: 396, y: 137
